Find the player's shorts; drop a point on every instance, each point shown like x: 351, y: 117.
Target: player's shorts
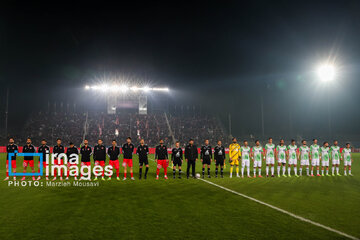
x: 85, y: 163
x: 13, y: 164
x: 347, y: 163
x: 114, y: 163
x: 219, y: 162
x: 100, y: 163
x: 293, y: 161
x: 324, y: 163
x: 257, y: 163
x: 71, y: 164
x: 245, y: 162
x: 162, y: 163
x: 58, y: 161
x: 234, y: 162
x: 270, y: 160
x: 143, y: 162
x: 206, y: 161
x: 28, y: 163
x: 304, y: 162
x: 177, y: 162
x: 127, y: 162
x: 335, y: 162
x: 43, y: 163
x: 281, y: 160
x: 315, y: 162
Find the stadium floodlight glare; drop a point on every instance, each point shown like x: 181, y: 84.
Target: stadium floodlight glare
x: 326, y: 72
x: 124, y: 88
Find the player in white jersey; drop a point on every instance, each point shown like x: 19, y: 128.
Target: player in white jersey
x: 335, y: 158
x: 270, y: 157
x: 257, y: 157
x: 325, y: 158
x: 304, y: 157
x: 315, y: 158
x: 281, y: 155
x: 293, y: 156
x: 245, y: 159
x: 347, y: 158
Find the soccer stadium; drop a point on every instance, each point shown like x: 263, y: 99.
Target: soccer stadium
x: 216, y: 120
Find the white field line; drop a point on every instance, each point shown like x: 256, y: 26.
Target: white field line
x: 283, y: 211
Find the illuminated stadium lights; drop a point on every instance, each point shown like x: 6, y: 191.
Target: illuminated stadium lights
x: 326, y: 72
x: 123, y: 88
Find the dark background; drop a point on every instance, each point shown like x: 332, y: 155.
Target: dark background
x: 223, y: 56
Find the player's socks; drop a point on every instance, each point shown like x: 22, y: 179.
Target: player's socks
x: 289, y: 171
x: 222, y: 172
x: 267, y: 170
x: 117, y: 172
x: 157, y: 171
x: 272, y: 170
x: 231, y: 170
x: 146, y: 171
x: 179, y: 173
x: 165, y: 172
x: 242, y: 171
x: 337, y: 170
x: 317, y: 171
x: 350, y: 172
x: 125, y: 175
x: 278, y: 170
x: 140, y: 173
x: 7, y: 173
x: 301, y: 171
x: 132, y: 175
x: 216, y: 172
x: 174, y: 172
x: 312, y: 172
x: 259, y: 171
x: 307, y: 171
x: 203, y: 171
x: 333, y: 170
x: 283, y: 170
x: 237, y: 171
x: 254, y: 172
x: 322, y: 171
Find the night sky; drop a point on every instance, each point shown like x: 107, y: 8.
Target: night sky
x: 222, y: 56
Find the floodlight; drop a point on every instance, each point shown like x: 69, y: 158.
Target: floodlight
x: 146, y: 89
x: 87, y: 87
x: 326, y: 72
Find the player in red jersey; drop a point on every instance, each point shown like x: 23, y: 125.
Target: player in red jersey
x: 11, y: 148
x: 29, y: 160
x: 161, y: 156
x: 128, y: 150
x: 44, y: 149
x: 113, y: 153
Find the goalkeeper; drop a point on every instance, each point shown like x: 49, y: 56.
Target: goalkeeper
x: 234, y: 157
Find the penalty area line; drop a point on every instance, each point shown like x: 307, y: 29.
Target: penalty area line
x: 283, y: 211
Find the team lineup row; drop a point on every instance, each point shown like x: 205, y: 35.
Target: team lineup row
x: 244, y: 154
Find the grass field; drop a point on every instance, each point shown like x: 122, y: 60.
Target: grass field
x: 182, y: 209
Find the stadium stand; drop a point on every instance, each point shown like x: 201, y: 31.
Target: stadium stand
x: 152, y: 127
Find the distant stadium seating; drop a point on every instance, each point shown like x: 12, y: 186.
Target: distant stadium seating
x: 151, y: 127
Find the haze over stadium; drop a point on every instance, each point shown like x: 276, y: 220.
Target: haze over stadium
x: 218, y: 120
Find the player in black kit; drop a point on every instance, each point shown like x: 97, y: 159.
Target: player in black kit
x: 142, y: 151
x: 206, y: 157
x: 177, y: 158
x: 219, y: 155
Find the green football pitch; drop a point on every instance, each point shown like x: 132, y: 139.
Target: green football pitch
x: 183, y: 209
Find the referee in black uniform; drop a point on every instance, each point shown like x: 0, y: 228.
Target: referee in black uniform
x: 191, y: 155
